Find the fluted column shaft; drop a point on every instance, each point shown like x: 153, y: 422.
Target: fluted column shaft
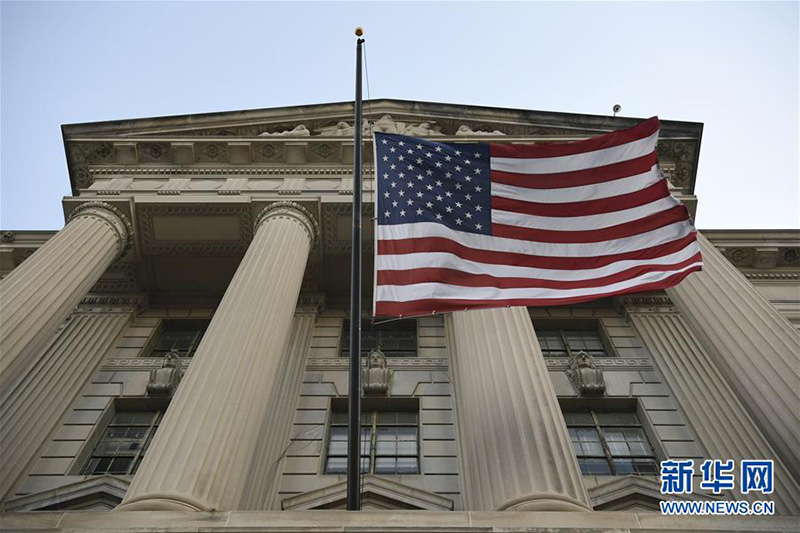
x: 717, y: 416
x: 516, y: 451
x: 38, y: 295
x: 267, y: 466
x: 203, y: 452
x: 755, y: 347
x: 50, y: 387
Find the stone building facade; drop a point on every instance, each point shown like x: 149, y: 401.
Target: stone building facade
x: 177, y: 352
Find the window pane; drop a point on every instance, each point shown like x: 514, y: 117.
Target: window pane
x: 336, y: 465
x: 591, y: 466
x: 551, y: 343
x: 385, y: 465
x: 618, y: 448
x: 624, y: 467
x: 407, y: 433
x: 386, y: 448
x: 592, y: 448
x: 645, y: 466
x: 407, y: 465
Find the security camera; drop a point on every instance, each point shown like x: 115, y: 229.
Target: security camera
x: 617, y: 108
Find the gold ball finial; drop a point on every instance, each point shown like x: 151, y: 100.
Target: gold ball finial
x: 359, y: 31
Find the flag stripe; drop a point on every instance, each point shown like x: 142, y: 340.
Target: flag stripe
x: 500, y: 244
x: 502, y: 269
x: 429, y: 245
x: 581, y: 161
x: 642, y: 225
x: 465, y: 279
x: 642, y: 130
x: 582, y: 193
x: 644, y: 196
x: 602, y: 220
x: 437, y: 305
x: 560, y: 180
x: 444, y: 291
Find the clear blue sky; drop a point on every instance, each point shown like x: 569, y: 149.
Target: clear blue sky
x: 732, y: 66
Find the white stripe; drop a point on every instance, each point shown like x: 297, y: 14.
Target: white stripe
x: 583, y: 223
x: 595, y: 191
x: 420, y: 291
x: 569, y: 163
x: 451, y: 261
x: 654, y: 237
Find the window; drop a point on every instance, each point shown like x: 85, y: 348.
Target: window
x: 397, y: 338
x: 389, y: 442
x: 563, y: 342
x: 183, y: 336
x: 123, y: 443
x: 610, y: 443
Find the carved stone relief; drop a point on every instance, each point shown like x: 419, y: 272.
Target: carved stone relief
x: 585, y: 376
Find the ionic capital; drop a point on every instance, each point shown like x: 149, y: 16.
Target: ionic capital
x: 116, y: 219
x: 291, y: 211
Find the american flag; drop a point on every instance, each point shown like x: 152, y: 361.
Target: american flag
x: 467, y: 226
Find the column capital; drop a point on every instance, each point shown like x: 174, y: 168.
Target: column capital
x: 116, y: 219
x: 290, y: 211
x: 644, y: 303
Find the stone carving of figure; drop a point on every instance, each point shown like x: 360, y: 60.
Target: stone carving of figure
x: 585, y: 375
x: 376, y: 377
x: 343, y: 129
x: 422, y: 129
x: 297, y: 131
x: 165, y: 380
x: 466, y: 130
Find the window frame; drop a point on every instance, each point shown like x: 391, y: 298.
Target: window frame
x: 177, y: 324
x: 344, y: 349
x: 614, y: 405
x: 563, y: 326
x: 156, y: 405
x: 372, y: 407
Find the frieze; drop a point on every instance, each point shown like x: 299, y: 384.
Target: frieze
x: 772, y: 276
x: 617, y: 363
x: 331, y: 213
x: 155, y: 152
x: 679, y: 156
x: 392, y: 362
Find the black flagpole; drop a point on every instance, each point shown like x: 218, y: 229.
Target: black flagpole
x: 354, y: 403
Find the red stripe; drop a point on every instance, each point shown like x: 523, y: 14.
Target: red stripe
x: 642, y: 130
x: 428, y: 306
x: 626, y: 229
x: 576, y: 178
x: 649, y: 194
x: 465, y: 279
x: 440, y: 244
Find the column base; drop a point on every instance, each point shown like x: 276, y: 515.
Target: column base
x: 155, y: 502
x: 544, y: 501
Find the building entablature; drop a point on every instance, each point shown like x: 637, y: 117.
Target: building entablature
x: 309, y: 149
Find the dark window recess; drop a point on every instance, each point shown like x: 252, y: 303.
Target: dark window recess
x: 610, y: 443
x: 389, y: 443
x: 124, y: 443
x: 397, y: 338
x: 563, y: 342
x: 182, y: 336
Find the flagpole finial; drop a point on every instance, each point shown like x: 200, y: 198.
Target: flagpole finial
x: 359, y: 31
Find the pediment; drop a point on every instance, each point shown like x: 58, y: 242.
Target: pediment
x: 377, y: 494
x: 632, y: 493
x: 96, y: 493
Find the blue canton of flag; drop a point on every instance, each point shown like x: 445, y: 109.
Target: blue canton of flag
x: 717, y: 475
x: 425, y: 181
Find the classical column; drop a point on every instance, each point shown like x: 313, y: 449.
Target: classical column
x: 39, y: 294
x: 49, y: 388
x: 753, y: 345
x: 267, y: 465
x: 202, y: 456
x: 516, y: 452
x: 717, y: 416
